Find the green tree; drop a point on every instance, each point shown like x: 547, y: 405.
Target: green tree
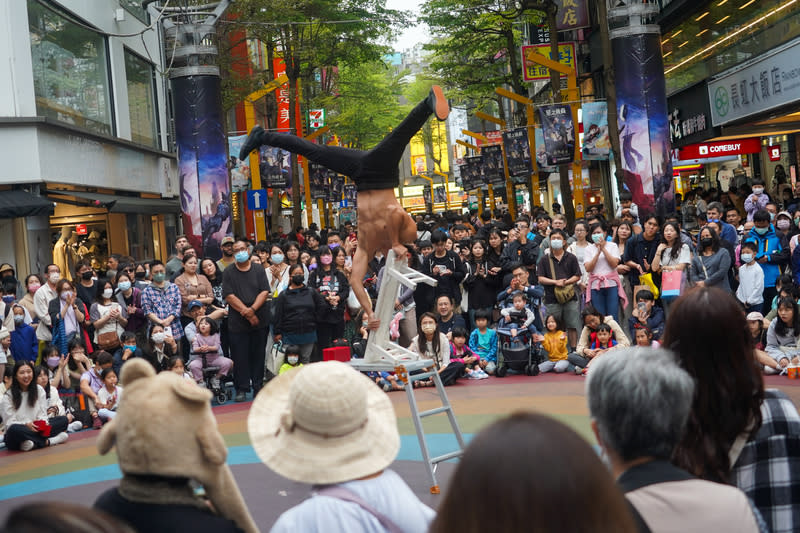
x: 309, y: 34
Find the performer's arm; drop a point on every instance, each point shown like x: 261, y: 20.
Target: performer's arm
x: 360, y: 264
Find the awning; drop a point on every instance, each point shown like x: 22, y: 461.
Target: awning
x: 23, y: 204
x: 126, y: 204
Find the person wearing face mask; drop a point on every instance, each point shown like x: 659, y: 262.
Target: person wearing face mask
x: 750, y: 292
x: 129, y: 298
x: 332, y: 284
x: 109, y: 319
x: 783, y: 223
x: 757, y: 200
x: 710, y: 265
x: 41, y: 301
x: 604, y: 289
x: 296, y: 315
x: 560, y: 268
x: 292, y: 359
x: 161, y: 301
x: 140, y: 277
x: 277, y: 271
x: 32, y: 284
x: 246, y: 290
x: 67, y: 314
x: 23, y: 339
x: 772, y: 255
x: 160, y: 348
x: 86, y: 282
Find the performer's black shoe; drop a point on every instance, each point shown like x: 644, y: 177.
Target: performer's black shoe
x: 253, y: 141
x: 438, y: 103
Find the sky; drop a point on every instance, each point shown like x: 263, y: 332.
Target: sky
x: 414, y: 34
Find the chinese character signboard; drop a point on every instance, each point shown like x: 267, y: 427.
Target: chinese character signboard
x: 572, y: 14
x: 766, y: 84
x: 559, y: 133
x: 533, y: 72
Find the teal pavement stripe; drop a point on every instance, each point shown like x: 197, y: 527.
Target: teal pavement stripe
x: 438, y: 444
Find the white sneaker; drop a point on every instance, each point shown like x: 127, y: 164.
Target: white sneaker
x: 77, y: 425
x: 61, y: 438
x: 215, y: 383
x: 26, y: 445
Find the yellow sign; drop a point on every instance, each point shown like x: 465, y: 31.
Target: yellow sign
x: 532, y: 71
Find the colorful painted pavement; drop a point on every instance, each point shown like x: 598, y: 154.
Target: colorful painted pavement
x: 75, y: 472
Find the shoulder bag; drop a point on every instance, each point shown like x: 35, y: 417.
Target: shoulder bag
x: 563, y: 294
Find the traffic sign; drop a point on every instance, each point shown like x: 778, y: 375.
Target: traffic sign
x: 256, y: 199
x: 316, y: 118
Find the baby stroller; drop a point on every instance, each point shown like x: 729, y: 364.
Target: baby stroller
x: 517, y: 352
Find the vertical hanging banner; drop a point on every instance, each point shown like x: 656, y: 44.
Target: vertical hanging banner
x: 275, y: 166
x: 351, y: 195
x: 492, y: 162
x: 319, y: 180
x: 541, y: 151
x: 336, y: 188
x: 559, y: 133
x: 203, y: 162
x: 596, y: 144
x: 472, y: 169
x: 518, y: 152
x: 240, y: 170
x: 643, y: 122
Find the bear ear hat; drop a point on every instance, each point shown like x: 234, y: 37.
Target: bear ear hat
x: 134, y: 369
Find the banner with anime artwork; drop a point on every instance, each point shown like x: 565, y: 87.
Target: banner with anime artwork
x: 596, y: 144
x: 541, y: 152
x: 202, y: 162
x: 275, y: 166
x: 351, y: 195
x: 474, y: 164
x: 239, y: 170
x: 518, y: 152
x: 319, y: 180
x: 559, y: 133
x: 492, y: 163
x: 643, y: 122
x: 336, y: 188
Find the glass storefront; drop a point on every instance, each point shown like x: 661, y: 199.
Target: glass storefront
x: 70, y: 70
x: 140, y: 79
x: 724, y: 34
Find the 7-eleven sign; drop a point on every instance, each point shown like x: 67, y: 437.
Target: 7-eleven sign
x: 316, y: 118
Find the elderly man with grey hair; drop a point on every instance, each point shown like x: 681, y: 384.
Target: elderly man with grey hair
x: 639, y: 399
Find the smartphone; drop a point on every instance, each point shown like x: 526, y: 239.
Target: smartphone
x: 642, y: 306
x: 168, y: 331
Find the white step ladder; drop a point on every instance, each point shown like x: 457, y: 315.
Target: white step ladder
x: 383, y: 355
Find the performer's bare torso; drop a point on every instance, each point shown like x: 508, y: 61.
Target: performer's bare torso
x: 383, y: 224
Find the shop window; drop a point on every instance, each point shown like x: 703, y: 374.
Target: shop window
x: 141, y: 99
x: 70, y: 70
x: 134, y: 7
x: 140, y: 237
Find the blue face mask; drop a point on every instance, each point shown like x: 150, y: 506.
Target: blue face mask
x: 276, y: 259
x: 762, y: 231
x: 128, y: 347
x: 597, y: 238
x: 241, y: 257
x: 772, y: 216
x: 124, y: 285
x: 746, y: 258
x: 9, y: 299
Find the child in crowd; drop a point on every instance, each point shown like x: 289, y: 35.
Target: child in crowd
x: 757, y: 200
x: 755, y: 324
x: 518, y: 316
x: 207, y: 344
x: 459, y: 351
x: 175, y: 364
x: 56, y: 365
x: 127, y: 351
x: 8, y: 375
x: 646, y: 313
x: 5, y: 348
x: 55, y: 407
x: 603, y: 342
x: 626, y: 203
x: 644, y: 337
x: 483, y: 341
x: 24, y: 344
x: 751, y: 279
x: 555, y: 344
x: 292, y: 353
x: 785, y: 287
x: 109, y: 395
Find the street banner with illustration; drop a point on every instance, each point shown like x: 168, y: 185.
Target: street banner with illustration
x: 318, y: 179
x: 202, y: 162
x: 541, y: 151
x: 492, y: 163
x: 559, y: 133
x: 336, y: 188
x: 643, y: 123
x: 471, y: 172
x: 518, y: 152
x: 596, y: 144
x: 275, y: 166
x: 239, y: 170
x: 350, y: 194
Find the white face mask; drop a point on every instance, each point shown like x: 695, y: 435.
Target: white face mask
x: 158, y: 338
x: 54, y: 277
x: 428, y: 328
x: 108, y: 293
x: 757, y: 190
x: 292, y: 360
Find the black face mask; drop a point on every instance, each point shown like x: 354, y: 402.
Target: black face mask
x: 86, y: 275
x: 298, y: 279
x: 140, y: 275
x: 706, y: 242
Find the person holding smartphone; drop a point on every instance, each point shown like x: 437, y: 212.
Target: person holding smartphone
x: 646, y: 313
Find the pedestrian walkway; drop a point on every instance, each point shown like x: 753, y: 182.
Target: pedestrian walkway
x: 75, y: 472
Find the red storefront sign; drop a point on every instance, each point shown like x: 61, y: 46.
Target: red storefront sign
x: 720, y: 149
x: 80, y: 229
x: 774, y: 153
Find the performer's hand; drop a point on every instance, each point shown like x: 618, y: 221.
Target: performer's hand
x: 373, y: 322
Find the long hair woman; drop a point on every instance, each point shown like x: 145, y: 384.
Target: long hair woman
x: 737, y: 433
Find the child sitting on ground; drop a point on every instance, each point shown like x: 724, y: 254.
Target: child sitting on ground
x: 175, y: 364
x: 292, y: 352
x: 518, y: 316
x: 207, y: 346
x: 755, y: 323
x: 483, y: 342
x: 459, y: 351
x: 644, y: 337
x: 603, y: 342
x: 109, y: 394
x: 24, y: 344
x: 5, y: 348
x: 555, y: 344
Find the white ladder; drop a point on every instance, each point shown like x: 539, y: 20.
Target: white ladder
x: 380, y: 347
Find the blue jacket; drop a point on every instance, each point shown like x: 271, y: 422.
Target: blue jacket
x: 775, y: 248
x: 23, y: 343
x: 489, y: 353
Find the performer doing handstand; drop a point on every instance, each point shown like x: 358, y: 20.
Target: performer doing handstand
x: 382, y: 222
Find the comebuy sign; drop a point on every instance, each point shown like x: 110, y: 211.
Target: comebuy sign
x: 720, y: 149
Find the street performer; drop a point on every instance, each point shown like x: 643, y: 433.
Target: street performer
x: 383, y: 223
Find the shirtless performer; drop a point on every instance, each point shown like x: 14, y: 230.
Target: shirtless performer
x: 383, y: 224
